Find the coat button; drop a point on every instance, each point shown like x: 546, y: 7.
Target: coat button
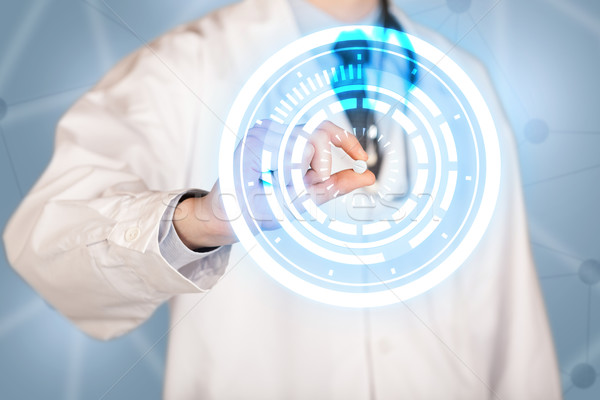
x: 132, y: 234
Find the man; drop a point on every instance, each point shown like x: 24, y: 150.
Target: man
x: 94, y: 237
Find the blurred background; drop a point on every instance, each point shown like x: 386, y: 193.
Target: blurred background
x: 543, y: 55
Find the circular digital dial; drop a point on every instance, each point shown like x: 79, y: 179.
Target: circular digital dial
x: 439, y: 178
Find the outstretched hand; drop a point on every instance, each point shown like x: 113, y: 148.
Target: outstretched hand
x: 202, y: 222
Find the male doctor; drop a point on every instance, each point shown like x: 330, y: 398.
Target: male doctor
x: 95, y: 237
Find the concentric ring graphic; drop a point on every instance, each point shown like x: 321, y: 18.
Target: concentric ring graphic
x: 383, y: 244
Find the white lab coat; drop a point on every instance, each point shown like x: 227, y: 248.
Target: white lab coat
x: 85, y: 238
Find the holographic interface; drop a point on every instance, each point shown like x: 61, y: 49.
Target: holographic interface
x: 427, y: 131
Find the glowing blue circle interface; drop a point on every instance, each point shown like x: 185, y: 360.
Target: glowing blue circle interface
x: 433, y: 198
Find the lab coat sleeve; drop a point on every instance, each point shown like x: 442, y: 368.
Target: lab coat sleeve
x: 188, y: 262
x: 86, y: 236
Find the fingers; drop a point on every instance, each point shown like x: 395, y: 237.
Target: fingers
x: 321, y: 160
x: 338, y: 184
x: 342, y: 139
x: 326, y: 134
x: 266, y: 159
x: 265, y: 140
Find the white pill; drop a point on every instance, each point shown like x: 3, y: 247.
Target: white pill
x: 359, y: 166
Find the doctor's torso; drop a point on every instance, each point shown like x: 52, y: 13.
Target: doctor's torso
x: 249, y: 337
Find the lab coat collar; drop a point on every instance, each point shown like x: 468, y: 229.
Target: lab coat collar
x: 287, y: 24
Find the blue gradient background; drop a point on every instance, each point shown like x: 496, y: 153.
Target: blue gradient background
x: 544, y: 57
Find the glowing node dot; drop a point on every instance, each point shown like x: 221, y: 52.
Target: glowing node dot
x: 583, y: 375
x: 536, y: 131
x: 589, y: 272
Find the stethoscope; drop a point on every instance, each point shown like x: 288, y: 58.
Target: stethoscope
x: 388, y: 21
x: 366, y: 117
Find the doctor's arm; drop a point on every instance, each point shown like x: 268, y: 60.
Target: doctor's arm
x: 86, y: 237
x: 93, y: 234
x: 201, y: 222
